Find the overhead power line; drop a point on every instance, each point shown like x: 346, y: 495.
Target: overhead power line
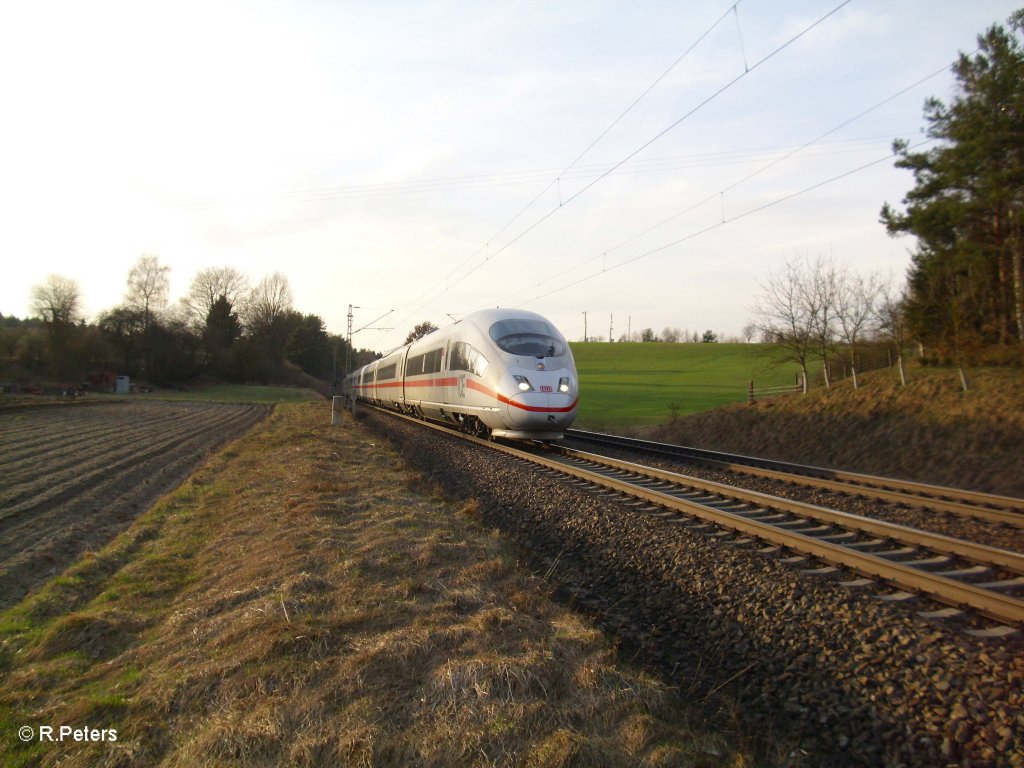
x: 724, y: 222
x: 497, y: 178
x: 490, y: 255
x: 486, y: 247
x: 816, y: 141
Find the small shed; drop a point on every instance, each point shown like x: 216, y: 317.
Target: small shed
x: 123, y: 385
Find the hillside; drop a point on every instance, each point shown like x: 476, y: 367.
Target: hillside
x: 628, y: 384
x: 929, y: 431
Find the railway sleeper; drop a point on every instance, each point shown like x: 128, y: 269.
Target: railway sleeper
x: 839, y: 538
x: 858, y: 583
x: 966, y: 572
x: 700, y: 526
x: 899, y: 596
x: 941, y: 613
x: 825, y: 570
x: 793, y: 559
x: 1005, y: 585
x: 929, y: 562
x: 891, y: 554
x: 863, y: 544
x: 792, y: 524
x: 770, y: 519
x: 813, y: 530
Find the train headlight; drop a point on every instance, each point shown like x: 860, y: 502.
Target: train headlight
x: 524, y: 383
x: 563, y: 384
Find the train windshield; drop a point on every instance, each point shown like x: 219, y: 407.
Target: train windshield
x: 523, y: 336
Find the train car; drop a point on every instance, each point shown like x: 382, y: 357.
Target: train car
x: 497, y: 372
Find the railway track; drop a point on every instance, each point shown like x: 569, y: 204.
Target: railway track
x: 983, y: 506
x: 960, y: 574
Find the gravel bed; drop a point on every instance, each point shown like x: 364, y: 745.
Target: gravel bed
x: 806, y: 671
x: 946, y: 523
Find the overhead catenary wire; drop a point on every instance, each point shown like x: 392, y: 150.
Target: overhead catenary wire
x: 725, y: 222
x: 690, y: 113
x: 503, y: 178
x: 721, y: 193
x: 447, y: 279
x: 507, y: 178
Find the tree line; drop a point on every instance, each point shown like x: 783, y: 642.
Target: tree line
x: 224, y: 328
x: 672, y: 335
x: 965, y: 287
x: 815, y: 310
x: 963, y: 300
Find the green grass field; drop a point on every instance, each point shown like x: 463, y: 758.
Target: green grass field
x: 632, y: 384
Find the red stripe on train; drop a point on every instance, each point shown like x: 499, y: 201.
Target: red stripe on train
x: 451, y: 382
x: 531, y: 408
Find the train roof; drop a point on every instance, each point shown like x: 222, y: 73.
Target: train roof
x: 482, y: 319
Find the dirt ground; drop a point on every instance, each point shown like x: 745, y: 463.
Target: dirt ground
x: 72, y: 477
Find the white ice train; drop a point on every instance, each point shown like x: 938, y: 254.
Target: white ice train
x: 496, y: 372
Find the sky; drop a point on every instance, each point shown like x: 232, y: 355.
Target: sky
x: 624, y: 165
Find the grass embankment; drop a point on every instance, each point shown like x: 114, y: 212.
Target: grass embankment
x: 930, y: 430
x: 304, y: 599
x: 629, y: 384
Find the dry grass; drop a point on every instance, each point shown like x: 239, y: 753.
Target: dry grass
x: 306, y: 600
x: 929, y: 430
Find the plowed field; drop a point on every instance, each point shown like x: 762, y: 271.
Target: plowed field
x: 73, y: 477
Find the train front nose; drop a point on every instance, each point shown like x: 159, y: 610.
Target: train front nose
x: 540, y: 411
x: 542, y: 403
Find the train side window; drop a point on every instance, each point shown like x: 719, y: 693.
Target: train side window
x: 415, y: 366
x: 457, y: 360
x: 432, y: 361
x: 387, y: 372
x: 477, y: 362
x: 465, y: 357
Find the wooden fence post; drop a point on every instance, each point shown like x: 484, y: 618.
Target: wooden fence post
x: 750, y: 392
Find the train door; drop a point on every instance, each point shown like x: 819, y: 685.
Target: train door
x: 458, y: 370
x: 449, y: 376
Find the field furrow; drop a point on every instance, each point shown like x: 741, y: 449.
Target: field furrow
x: 22, y: 429
x: 105, y: 459
x: 27, y: 433
x: 65, y: 508
x: 20, y: 454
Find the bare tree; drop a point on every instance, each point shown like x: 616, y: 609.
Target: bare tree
x: 855, y: 302
x: 148, y: 288
x: 786, y: 314
x: 822, y: 286
x: 267, y: 303
x: 208, y: 286
x: 57, y: 301
x: 749, y: 332
x: 671, y: 335
x: 892, y: 323
x: 146, y: 295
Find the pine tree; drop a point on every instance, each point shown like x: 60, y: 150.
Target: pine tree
x: 965, y: 283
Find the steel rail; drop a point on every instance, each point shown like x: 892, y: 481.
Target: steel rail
x: 1002, y: 608
x: 979, y: 553
x: 985, y: 506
